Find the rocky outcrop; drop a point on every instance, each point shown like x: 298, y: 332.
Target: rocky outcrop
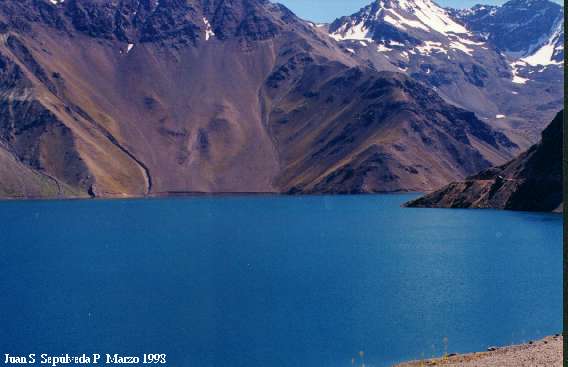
x: 531, y: 182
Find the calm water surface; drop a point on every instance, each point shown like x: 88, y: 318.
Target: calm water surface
x: 274, y: 281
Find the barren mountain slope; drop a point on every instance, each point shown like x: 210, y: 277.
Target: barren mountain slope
x: 348, y: 131
x: 140, y: 97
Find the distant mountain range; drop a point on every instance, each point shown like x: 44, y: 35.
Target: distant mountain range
x: 531, y: 182
x: 505, y: 63
x: 531, y: 30
x: 122, y: 98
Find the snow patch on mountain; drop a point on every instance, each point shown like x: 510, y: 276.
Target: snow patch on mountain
x: 352, y: 32
x: 461, y: 47
x: 517, y: 79
x: 436, y: 18
x: 469, y: 42
x: 430, y: 47
x: 208, y: 30
x: 402, y: 23
x: 544, y: 55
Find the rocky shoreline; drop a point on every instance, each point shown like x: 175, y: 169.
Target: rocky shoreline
x: 543, y: 353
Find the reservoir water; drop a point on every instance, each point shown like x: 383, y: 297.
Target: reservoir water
x: 265, y: 281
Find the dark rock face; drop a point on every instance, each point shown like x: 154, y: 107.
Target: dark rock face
x: 249, y: 21
x: 531, y: 182
x: 134, y: 21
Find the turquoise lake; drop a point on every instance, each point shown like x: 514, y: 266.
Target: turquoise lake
x: 265, y: 281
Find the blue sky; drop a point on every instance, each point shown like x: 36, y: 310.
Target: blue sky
x: 328, y: 10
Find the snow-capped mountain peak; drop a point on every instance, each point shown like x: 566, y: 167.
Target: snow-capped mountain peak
x: 431, y: 16
x: 501, y: 62
x: 404, y: 15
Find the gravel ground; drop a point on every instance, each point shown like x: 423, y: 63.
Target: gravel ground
x: 542, y: 353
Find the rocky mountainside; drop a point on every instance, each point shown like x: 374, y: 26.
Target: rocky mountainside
x: 468, y: 56
x: 128, y: 98
x: 521, y: 28
x: 531, y: 182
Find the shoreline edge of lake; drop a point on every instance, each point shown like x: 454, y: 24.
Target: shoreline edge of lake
x: 546, y: 352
